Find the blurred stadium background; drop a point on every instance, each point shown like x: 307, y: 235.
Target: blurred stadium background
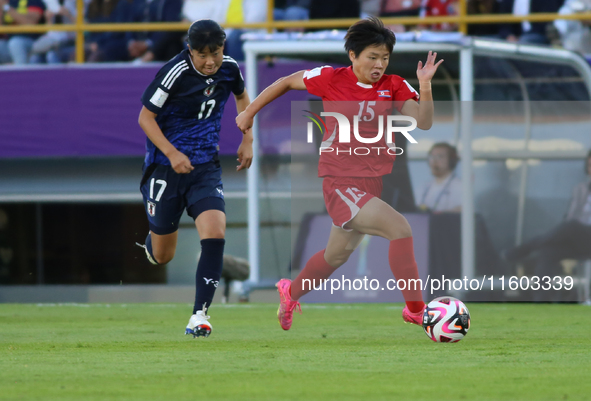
x: 71, y: 150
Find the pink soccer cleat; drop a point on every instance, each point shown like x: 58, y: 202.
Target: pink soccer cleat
x: 414, y: 318
x: 286, y: 304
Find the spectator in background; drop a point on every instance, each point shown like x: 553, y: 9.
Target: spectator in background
x: 21, y: 12
x: 215, y: 10
x: 292, y: 10
x: 400, y: 8
x: 444, y: 193
x: 575, y: 35
x: 4, y: 53
x: 328, y: 9
x: 56, y: 46
x: 475, y: 7
x: 526, y: 32
x: 108, y: 46
x: 242, y: 11
x: 370, y: 8
x: 227, y: 12
x: 569, y: 240
x: 158, y: 45
x: 440, y: 8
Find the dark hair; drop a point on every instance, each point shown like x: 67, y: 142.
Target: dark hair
x: 368, y: 32
x: 206, y: 33
x: 452, y: 153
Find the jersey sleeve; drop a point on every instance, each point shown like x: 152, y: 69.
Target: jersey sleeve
x: 317, y: 80
x: 238, y: 87
x: 163, y: 86
x: 403, y: 91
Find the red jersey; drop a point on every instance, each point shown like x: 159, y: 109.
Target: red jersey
x: 341, y: 92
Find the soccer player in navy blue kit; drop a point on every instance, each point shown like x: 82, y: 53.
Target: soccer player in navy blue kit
x: 181, y: 114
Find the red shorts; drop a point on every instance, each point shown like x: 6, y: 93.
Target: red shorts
x: 345, y: 196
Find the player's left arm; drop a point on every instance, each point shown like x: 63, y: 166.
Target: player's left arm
x: 245, y: 152
x: 423, y: 111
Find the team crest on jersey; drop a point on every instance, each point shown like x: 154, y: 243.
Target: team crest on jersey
x: 209, y: 90
x: 384, y: 93
x: 151, y: 209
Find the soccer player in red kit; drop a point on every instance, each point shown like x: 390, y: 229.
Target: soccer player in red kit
x: 352, y: 184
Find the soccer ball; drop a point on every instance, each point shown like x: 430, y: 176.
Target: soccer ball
x: 446, y: 320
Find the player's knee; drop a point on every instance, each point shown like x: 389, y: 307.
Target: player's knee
x: 163, y: 257
x: 336, y: 260
x: 405, y: 230
x: 399, y: 230
x: 215, y: 233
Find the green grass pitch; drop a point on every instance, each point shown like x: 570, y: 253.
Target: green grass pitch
x: 333, y: 352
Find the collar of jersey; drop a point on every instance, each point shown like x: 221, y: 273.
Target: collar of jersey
x: 364, y: 86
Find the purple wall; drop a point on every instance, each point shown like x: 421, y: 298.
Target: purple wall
x: 76, y: 111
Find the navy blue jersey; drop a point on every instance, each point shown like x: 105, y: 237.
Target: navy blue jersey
x: 189, y: 107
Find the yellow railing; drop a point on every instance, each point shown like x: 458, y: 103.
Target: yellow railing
x: 462, y: 20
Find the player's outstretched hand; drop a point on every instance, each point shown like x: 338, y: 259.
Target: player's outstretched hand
x: 180, y: 163
x: 244, y: 122
x: 245, y: 151
x: 425, y: 73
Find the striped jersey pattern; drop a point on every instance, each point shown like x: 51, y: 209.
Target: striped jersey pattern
x: 174, y: 73
x: 189, y: 106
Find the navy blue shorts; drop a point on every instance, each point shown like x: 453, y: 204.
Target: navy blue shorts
x: 167, y: 194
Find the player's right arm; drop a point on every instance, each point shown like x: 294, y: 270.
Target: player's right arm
x: 277, y: 89
x: 178, y: 160
x: 154, y: 98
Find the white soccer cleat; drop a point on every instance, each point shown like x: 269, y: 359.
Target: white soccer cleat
x: 199, y: 325
x: 150, y: 258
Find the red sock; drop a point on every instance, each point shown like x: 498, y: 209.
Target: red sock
x: 316, y: 270
x: 401, y: 256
